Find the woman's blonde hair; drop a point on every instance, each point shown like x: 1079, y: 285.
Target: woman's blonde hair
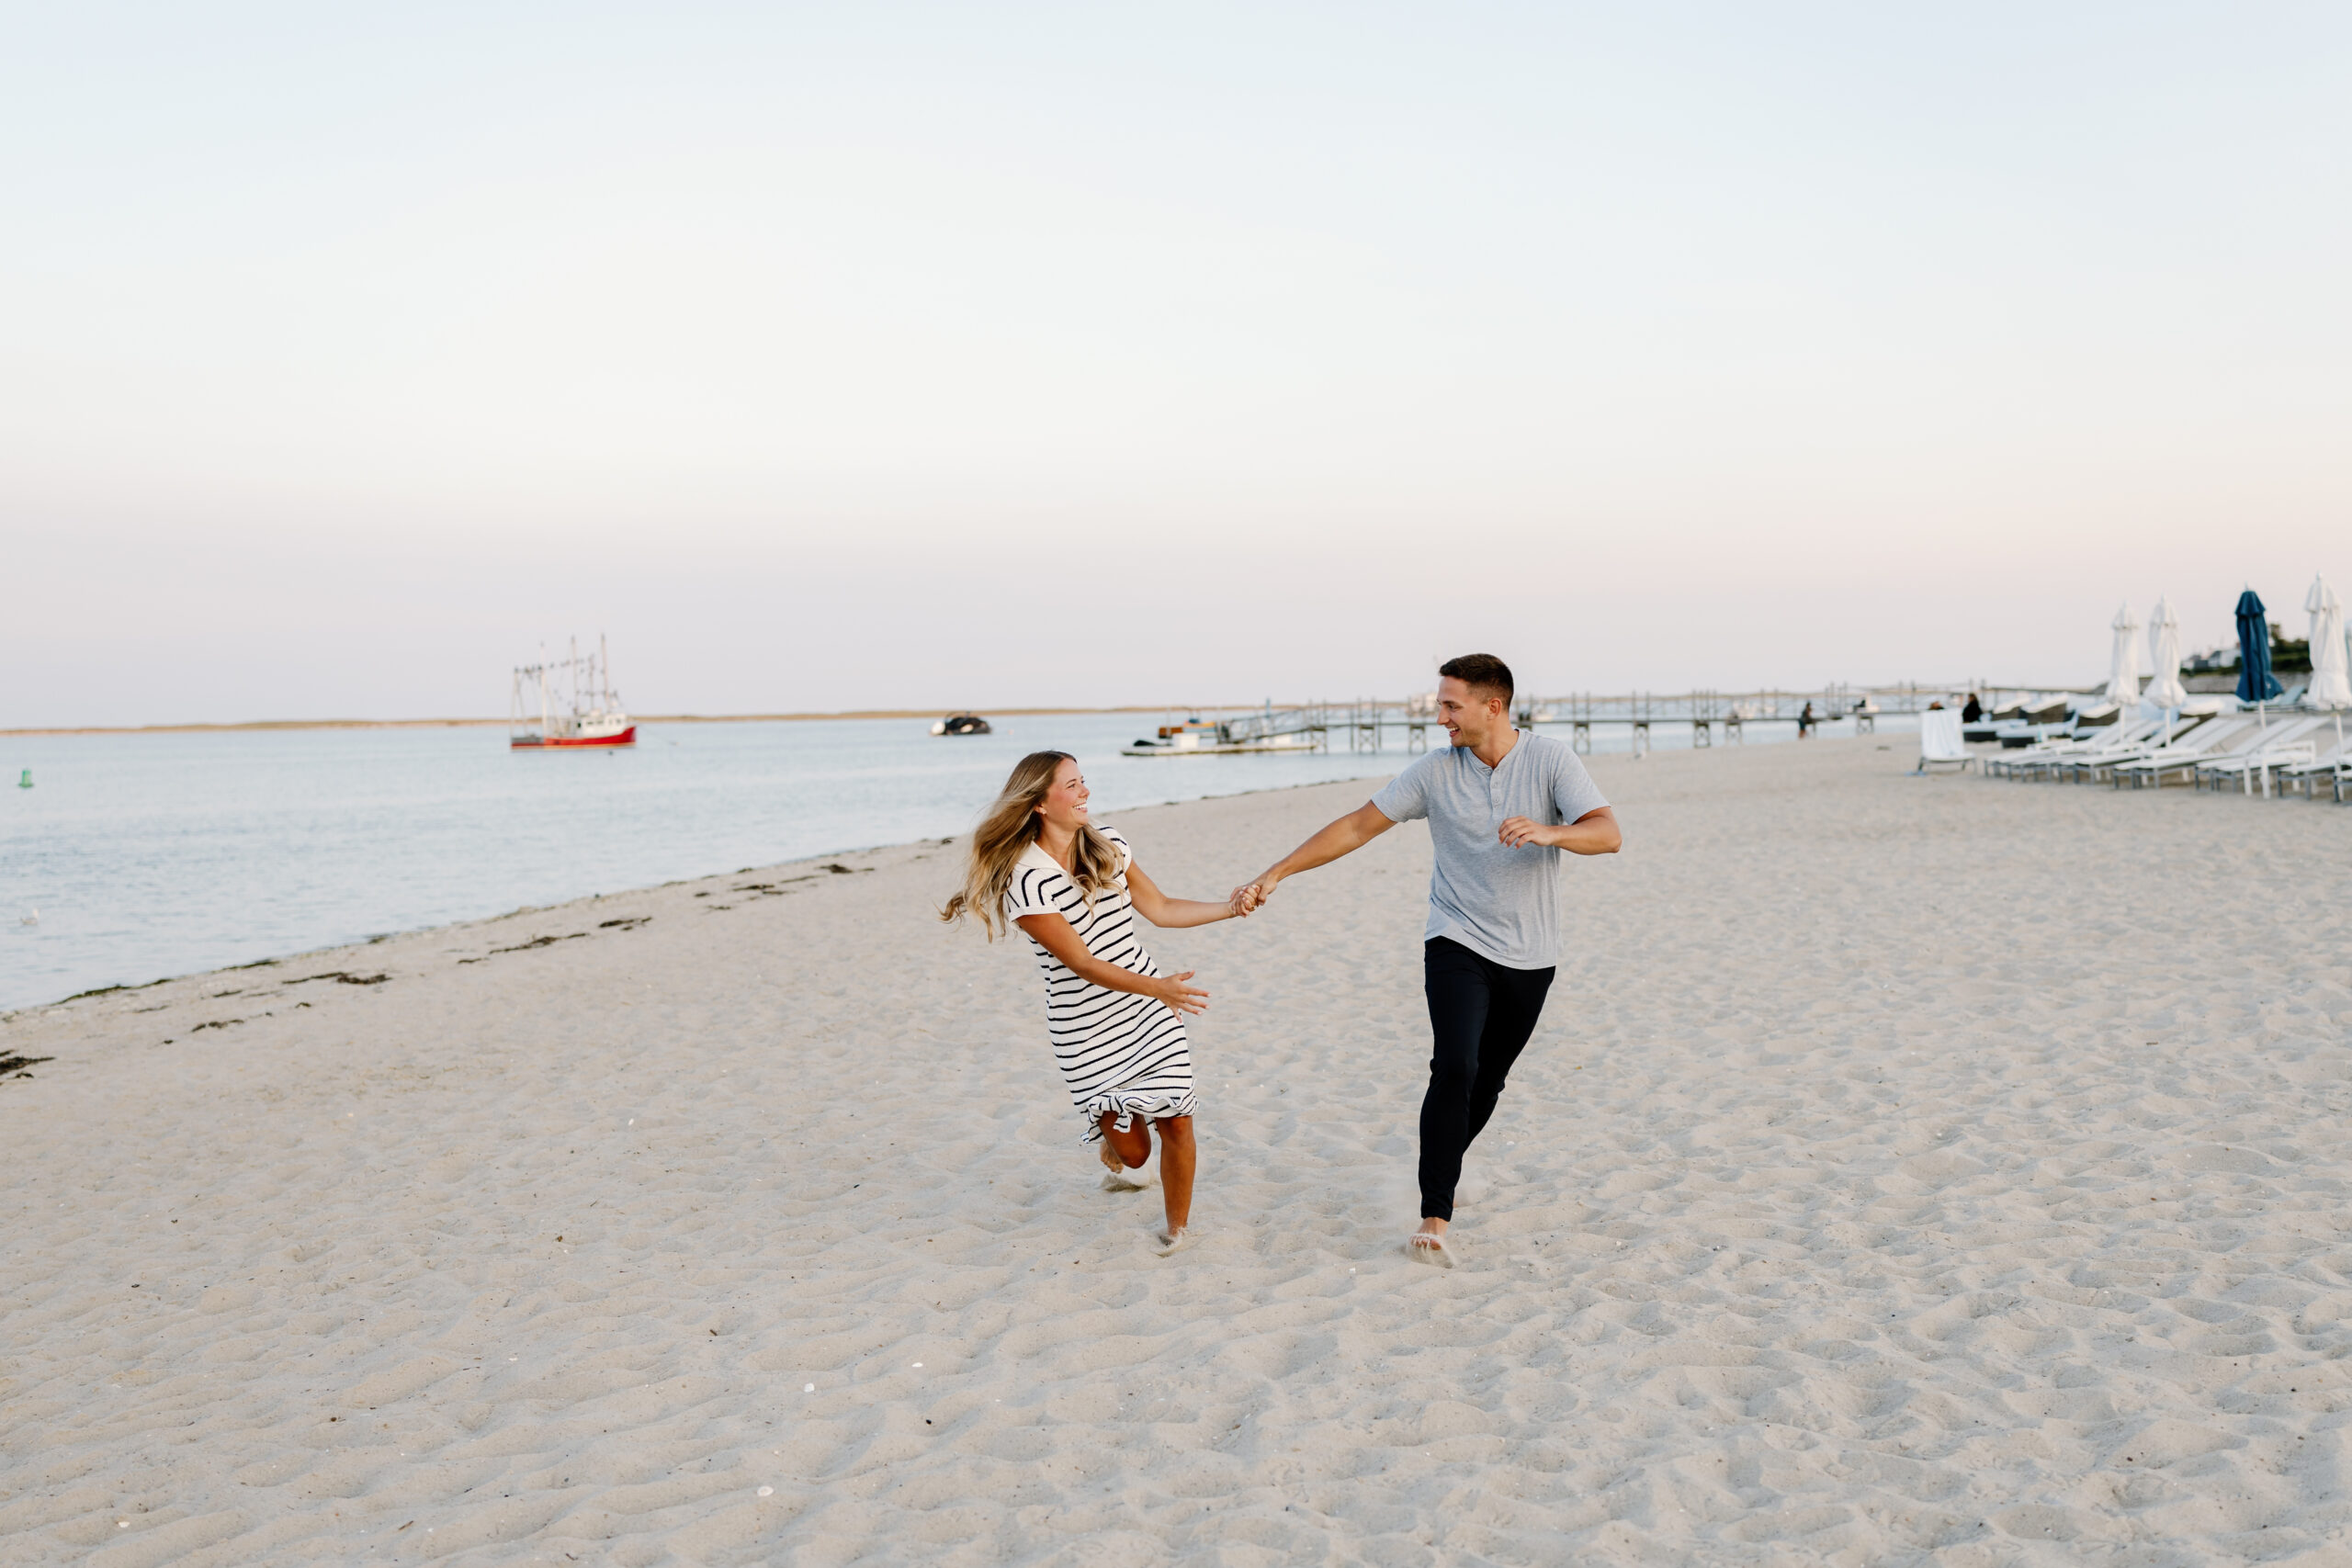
x: 1011, y: 826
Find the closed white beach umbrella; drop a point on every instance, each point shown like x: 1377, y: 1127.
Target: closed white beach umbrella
x: 2123, y: 667
x: 2330, y: 686
x: 2164, y: 662
x: 2165, y: 688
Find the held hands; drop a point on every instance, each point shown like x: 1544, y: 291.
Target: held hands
x: 1179, y: 996
x: 1517, y: 832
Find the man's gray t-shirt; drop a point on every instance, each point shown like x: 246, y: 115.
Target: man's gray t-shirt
x: 1502, y: 903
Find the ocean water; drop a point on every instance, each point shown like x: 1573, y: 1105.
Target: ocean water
x: 137, y: 857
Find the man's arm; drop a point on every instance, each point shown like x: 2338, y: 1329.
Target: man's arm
x: 1594, y: 833
x: 1350, y: 832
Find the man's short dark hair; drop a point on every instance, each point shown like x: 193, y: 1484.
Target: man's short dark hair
x: 1481, y: 672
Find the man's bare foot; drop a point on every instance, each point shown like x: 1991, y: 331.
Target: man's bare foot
x: 1427, y: 1245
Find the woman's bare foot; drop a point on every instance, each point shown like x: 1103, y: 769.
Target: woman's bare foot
x: 1173, y: 1242
x: 1117, y: 1178
x: 1126, y: 1156
x: 1427, y: 1245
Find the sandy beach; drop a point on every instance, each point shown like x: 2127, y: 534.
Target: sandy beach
x: 1907, y: 1170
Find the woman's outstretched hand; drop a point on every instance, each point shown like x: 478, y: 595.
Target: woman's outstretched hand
x: 1171, y: 989
x: 1247, y: 899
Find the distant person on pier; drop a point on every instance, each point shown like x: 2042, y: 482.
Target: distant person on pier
x: 1805, y: 721
x: 1502, y: 808
x: 1974, y: 712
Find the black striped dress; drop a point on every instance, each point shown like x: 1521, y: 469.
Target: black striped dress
x: 1117, y: 1051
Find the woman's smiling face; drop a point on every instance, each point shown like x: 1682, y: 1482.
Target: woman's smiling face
x: 1065, y: 804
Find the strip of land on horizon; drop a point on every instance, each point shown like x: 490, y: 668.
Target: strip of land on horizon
x: 640, y: 718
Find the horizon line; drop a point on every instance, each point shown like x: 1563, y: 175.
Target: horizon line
x: 645, y: 718
x: 231, y: 726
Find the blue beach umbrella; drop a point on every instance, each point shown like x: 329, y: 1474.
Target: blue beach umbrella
x: 2255, y: 682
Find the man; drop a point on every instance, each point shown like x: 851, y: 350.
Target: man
x: 1503, y: 808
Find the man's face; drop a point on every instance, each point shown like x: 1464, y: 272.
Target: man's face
x: 1469, y: 716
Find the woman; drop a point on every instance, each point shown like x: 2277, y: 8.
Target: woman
x: 1074, y: 889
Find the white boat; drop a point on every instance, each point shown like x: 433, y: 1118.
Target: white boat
x: 1203, y: 738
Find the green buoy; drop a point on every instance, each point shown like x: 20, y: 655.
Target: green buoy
x: 27, y: 782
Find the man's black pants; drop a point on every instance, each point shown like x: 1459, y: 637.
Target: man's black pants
x: 1481, y: 1013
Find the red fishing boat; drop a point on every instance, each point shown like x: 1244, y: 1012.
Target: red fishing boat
x: 575, y: 704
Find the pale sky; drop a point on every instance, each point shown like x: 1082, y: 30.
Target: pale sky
x: 833, y: 356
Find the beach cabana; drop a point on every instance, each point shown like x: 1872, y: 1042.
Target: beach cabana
x: 1940, y: 741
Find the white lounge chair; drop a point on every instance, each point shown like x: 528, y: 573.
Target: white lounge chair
x: 2056, y: 755
x: 2285, y: 741
x: 2091, y: 765
x: 1939, y: 742
x: 2306, y: 777
x: 2210, y: 740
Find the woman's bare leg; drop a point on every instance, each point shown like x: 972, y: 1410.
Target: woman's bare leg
x: 1132, y: 1148
x: 1177, y: 1158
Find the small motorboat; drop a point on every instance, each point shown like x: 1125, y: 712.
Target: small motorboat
x: 961, y: 724
x: 1198, y: 736
x: 1194, y: 735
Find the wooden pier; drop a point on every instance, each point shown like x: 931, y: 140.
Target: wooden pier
x: 1365, y: 723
